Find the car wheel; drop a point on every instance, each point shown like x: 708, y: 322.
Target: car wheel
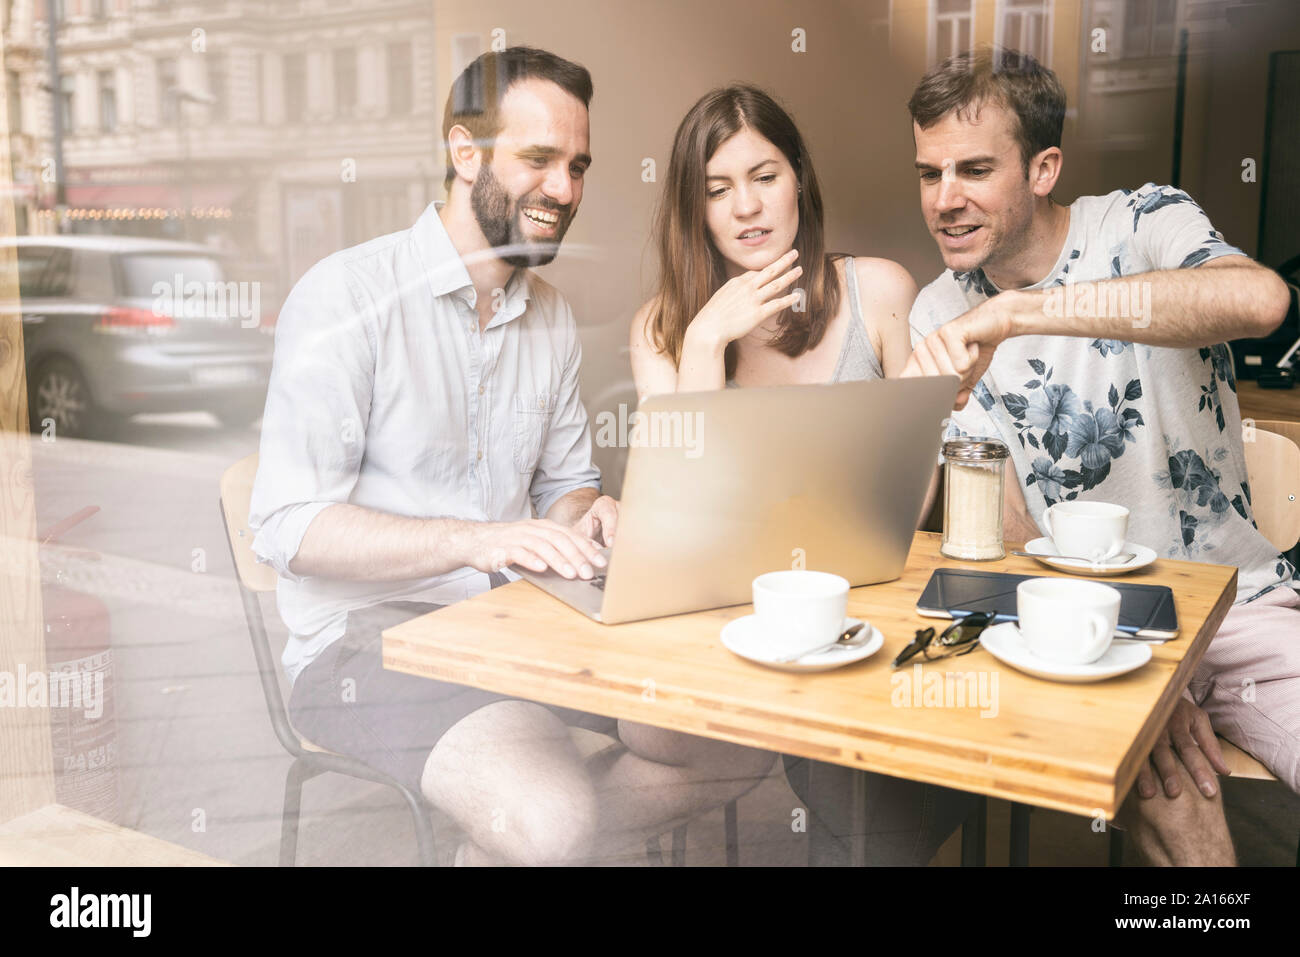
x: 58, y: 393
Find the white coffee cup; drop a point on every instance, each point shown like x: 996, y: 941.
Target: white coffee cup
x: 800, y: 610
x: 1067, y: 620
x: 1092, y: 530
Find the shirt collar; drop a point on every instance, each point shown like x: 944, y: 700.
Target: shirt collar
x: 446, y: 271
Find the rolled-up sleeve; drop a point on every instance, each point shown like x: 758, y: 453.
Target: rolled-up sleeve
x: 565, y: 463
x: 317, y: 410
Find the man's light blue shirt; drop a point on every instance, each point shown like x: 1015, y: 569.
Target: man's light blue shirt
x: 385, y: 394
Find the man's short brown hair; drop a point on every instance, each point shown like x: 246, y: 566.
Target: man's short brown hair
x: 1015, y: 81
x: 476, y: 95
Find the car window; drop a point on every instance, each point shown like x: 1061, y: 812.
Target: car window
x: 31, y: 262
x: 93, y: 275
x: 140, y: 271
x: 43, y: 271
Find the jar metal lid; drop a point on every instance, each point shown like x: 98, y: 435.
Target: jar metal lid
x: 975, y: 450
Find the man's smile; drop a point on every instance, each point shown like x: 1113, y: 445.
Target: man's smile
x: 542, y: 218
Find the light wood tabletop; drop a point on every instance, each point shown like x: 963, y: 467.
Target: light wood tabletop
x: 1071, y: 747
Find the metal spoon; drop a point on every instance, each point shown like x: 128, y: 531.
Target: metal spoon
x: 844, y: 639
x: 1120, y: 559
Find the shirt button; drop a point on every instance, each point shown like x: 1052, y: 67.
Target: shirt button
x: 481, y: 390
x: 480, y: 456
x: 541, y: 403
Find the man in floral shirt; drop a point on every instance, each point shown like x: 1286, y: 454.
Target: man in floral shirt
x: 1091, y: 338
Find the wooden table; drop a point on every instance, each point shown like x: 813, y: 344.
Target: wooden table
x: 1075, y: 748
x: 1268, y: 404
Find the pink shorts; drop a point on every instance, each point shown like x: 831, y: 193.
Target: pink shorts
x: 1249, y: 681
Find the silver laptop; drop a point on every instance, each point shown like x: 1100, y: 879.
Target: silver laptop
x: 723, y: 486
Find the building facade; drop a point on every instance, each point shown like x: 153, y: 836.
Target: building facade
x: 280, y: 131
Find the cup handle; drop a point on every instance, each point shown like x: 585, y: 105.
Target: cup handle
x: 1099, y: 626
x: 1047, y: 520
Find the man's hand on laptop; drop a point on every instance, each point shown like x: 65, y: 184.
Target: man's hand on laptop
x: 963, y: 347
x: 600, y: 521
x: 536, y: 544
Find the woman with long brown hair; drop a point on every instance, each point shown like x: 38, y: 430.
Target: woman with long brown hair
x: 747, y: 293
x: 748, y: 296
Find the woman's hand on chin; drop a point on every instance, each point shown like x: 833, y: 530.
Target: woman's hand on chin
x: 746, y: 301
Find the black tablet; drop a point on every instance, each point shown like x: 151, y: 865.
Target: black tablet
x: 1145, y: 611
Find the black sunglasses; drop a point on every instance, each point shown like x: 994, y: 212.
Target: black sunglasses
x: 959, y: 638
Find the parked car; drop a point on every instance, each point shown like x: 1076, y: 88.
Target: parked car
x: 115, y: 326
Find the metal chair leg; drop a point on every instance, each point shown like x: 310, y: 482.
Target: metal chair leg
x: 733, y: 835
x: 974, y: 835
x: 293, y: 782
x: 679, y: 846
x: 424, y: 839
x: 1019, y: 835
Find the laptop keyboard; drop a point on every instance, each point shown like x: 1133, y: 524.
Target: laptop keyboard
x: 597, y: 582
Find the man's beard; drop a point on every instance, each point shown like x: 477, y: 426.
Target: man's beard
x: 499, y: 217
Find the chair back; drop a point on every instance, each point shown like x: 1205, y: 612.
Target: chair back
x: 1290, y: 430
x: 1273, y: 467
x: 254, y: 579
x: 236, y: 491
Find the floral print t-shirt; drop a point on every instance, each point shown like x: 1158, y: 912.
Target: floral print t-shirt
x: 1155, y: 429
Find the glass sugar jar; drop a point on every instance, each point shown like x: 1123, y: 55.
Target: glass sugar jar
x: 974, y: 470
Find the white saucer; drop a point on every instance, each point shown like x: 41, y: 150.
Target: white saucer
x: 1046, y: 552
x: 1005, y: 643
x: 743, y: 637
